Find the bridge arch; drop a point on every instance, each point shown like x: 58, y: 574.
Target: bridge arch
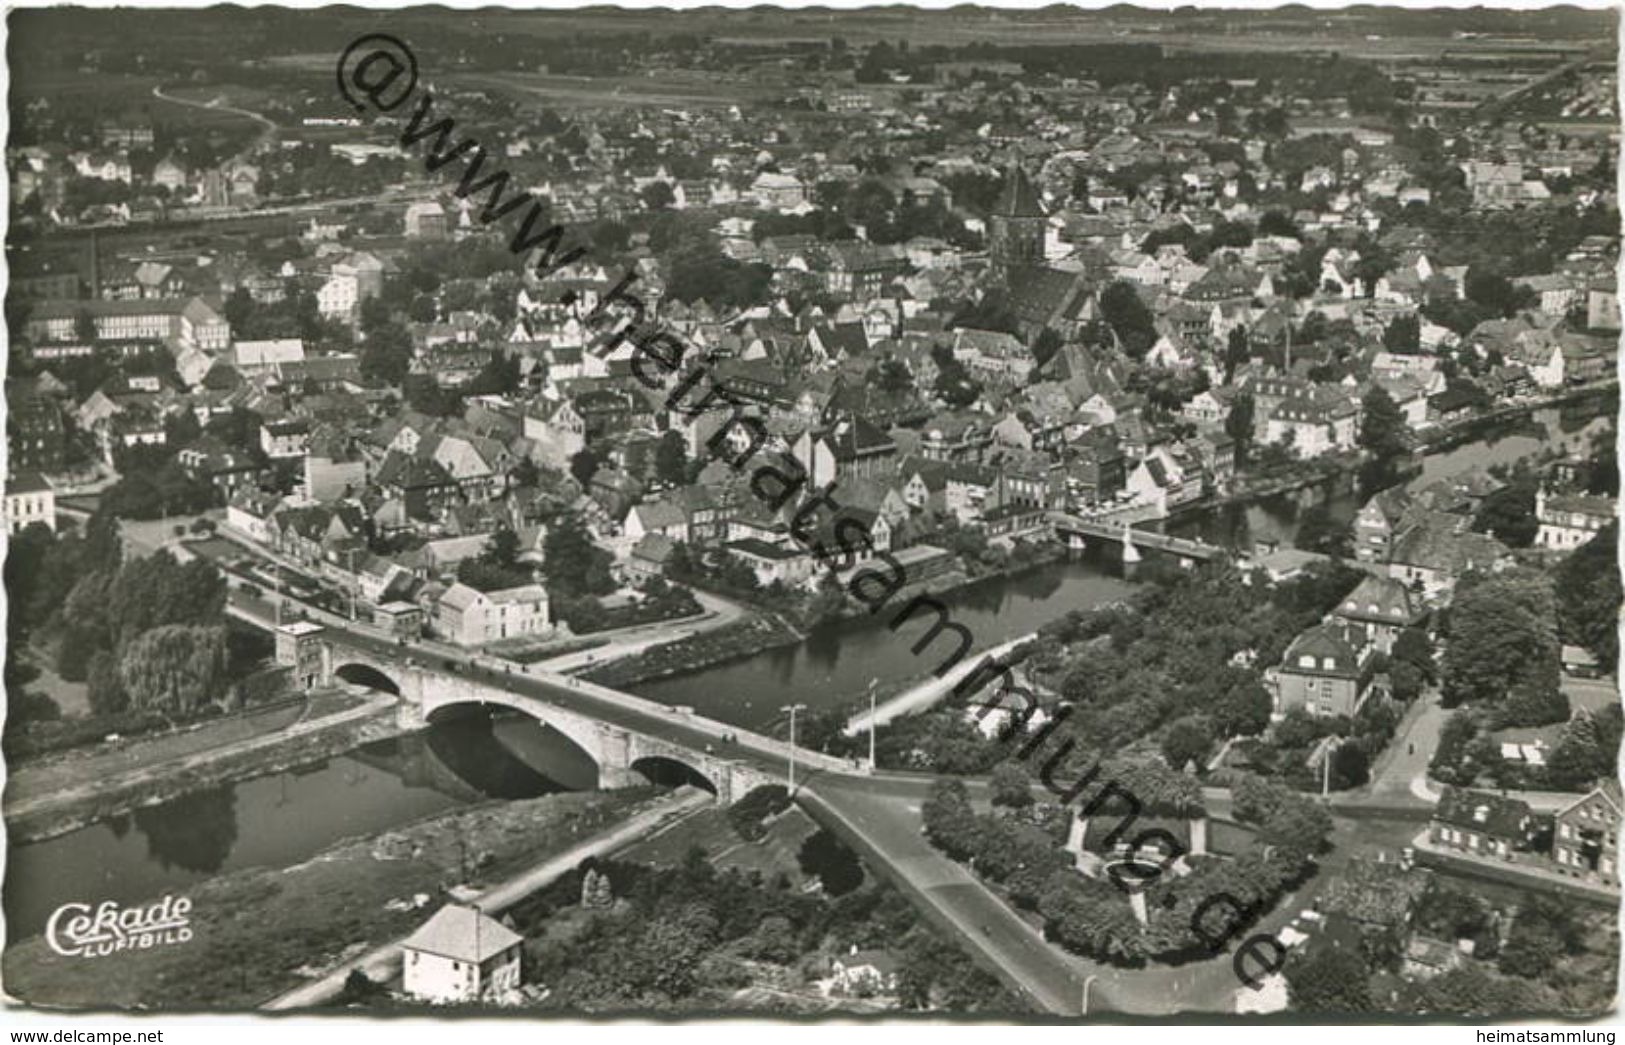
x: 508, y: 755
x: 363, y: 674
x: 671, y: 771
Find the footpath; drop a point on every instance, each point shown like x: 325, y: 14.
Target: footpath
x: 384, y: 963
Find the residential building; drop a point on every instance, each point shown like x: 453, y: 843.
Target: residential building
x: 1570, y: 520
x: 1325, y: 671
x: 470, y: 617
x: 285, y: 439
x: 426, y: 219
x: 1381, y: 607
x: 865, y: 972
x: 1483, y: 824
x: 1585, y: 836
x: 460, y: 955
x: 29, y: 499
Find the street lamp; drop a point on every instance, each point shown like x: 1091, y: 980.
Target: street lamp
x: 355, y: 583
x: 873, y: 683
x: 792, y: 709
x: 1331, y: 748
x: 1087, y: 980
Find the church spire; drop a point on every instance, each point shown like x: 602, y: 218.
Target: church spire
x: 1019, y: 199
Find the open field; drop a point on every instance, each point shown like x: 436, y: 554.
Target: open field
x: 1352, y: 34
x: 579, y: 92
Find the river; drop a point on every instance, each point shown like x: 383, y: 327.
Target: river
x: 836, y: 662
x: 285, y: 818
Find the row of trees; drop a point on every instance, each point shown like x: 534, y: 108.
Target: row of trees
x: 1502, y: 648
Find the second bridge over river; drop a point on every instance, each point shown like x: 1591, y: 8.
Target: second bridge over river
x: 1079, y: 532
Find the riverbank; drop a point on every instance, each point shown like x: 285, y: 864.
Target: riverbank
x: 1448, y: 437
x: 83, y: 787
x: 261, y: 932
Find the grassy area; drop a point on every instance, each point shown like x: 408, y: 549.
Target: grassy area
x: 260, y: 932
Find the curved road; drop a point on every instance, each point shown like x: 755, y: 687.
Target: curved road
x: 266, y: 124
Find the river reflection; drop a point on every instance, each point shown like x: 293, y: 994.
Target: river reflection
x: 193, y: 833
x: 283, y: 818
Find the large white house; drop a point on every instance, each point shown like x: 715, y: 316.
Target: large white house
x: 470, y: 617
x: 460, y: 954
x: 1570, y: 520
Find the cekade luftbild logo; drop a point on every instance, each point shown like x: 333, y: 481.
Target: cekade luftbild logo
x: 77, y: 931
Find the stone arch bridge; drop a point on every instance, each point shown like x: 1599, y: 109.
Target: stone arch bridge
x: 624, y: 735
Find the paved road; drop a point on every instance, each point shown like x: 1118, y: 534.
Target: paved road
x: 1591, y: 694
x: 884, y: 812
x: 1406, y: 759
x: 885, y: 816
x: 626, y: 642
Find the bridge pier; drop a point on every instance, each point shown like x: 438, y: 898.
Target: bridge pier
x: 409, y: 716
x: 618, y: 778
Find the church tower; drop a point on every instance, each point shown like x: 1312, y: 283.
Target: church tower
x: 1017, y: 225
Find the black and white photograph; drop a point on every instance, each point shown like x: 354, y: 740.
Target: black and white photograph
x: 1019, y: 514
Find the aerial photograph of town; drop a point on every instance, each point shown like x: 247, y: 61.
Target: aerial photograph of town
x: 1013, y: 513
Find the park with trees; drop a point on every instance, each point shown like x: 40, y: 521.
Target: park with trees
x: 147, y: 637
x: 1016, y: 846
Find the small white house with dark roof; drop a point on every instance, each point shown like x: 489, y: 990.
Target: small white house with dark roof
x: 460, y: 954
